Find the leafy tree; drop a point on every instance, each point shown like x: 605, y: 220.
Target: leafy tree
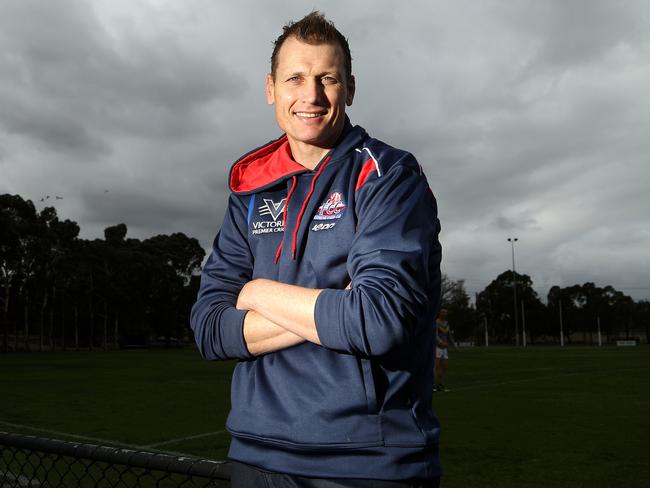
x: 585, y: 306
x: 641, y: 318
x: 562, y: 308
x: 74, y: 288
x: 176, y: 260
x: 462, y: 316
x: 16, y: 216
x: 495, y: 303
x: 54, y: 243
x: 183, y: 254
x: 115, y: 235
x: 19, y: 261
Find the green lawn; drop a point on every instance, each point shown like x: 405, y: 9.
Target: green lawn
x: 547, y: 417
x: 137, y: 398
x: 539, y: 417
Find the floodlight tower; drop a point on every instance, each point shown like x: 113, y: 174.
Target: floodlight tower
x: 512, y: 241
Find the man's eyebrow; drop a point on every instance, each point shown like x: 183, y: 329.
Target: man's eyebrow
x: 289, y: 74
x: 332, y: 71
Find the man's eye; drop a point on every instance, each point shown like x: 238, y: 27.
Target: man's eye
x: 294, y: 78
x: 329, y: 79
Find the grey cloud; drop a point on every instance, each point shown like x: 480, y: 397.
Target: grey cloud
x: 50, y: 127
x: 507, y: 224
x: 573, y: 33
x: 71, y: 68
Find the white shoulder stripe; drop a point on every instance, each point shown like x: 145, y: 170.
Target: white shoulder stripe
x: 372, y: 156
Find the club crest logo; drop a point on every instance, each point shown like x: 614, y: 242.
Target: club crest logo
x: 332, y: 208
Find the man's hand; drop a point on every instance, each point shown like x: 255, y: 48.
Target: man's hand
x: 263, y: 336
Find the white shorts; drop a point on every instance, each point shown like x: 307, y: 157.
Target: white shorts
x: 442, y: 353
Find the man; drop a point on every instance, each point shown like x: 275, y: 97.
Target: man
x: 323, y: 283
x: 443, y: 339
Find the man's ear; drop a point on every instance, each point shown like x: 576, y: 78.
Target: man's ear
x: 351, y: 87
x: 270, y: 89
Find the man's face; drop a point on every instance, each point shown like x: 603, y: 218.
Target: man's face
x: 443, y: 314
x: 310, y: 92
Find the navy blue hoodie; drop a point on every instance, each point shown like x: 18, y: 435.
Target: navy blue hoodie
x: 359, y: 406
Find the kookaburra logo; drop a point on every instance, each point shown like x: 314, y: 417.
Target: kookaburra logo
x: 271, y: 208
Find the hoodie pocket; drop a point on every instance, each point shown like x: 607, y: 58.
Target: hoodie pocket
x: 306, y: 396
x: 365, y: 366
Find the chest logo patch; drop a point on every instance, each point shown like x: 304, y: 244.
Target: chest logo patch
x: 269, y: 207
x: 332, y: 208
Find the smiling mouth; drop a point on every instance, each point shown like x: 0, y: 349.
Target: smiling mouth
x: 309, y: 115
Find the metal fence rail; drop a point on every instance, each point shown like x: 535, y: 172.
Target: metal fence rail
x: 27, y: 461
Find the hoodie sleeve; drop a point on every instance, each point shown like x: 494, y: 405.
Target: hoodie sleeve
x: 217, y: 324
x: 394, y: 263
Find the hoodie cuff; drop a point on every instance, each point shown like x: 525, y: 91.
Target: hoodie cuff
x: 328, y: 319
x: 232, y: 334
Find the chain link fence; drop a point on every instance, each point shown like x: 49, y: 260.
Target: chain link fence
x: 27, y: 461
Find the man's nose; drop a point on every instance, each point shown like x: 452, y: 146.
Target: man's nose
x: 312, y: 91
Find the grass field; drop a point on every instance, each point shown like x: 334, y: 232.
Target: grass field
x: 536, y: 417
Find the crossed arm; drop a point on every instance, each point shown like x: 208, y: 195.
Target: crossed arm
x: 394, y: 270
x: 279, y: 315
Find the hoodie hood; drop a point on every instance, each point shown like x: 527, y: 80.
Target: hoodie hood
x: 272, y: 163
x: 264, y: 167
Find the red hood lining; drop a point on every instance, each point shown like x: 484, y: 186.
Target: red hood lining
x: 267, y: 165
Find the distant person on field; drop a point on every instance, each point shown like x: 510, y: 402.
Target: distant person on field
x: 443, y: 340
x: 333, y: 383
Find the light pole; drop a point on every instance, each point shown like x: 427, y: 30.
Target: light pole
x: 512, y: 241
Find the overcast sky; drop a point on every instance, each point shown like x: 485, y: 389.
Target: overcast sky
x: 530, y: 118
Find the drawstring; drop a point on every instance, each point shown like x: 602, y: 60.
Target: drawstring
x: 277, y: 253
x: 284, y: 216
x: 304, y: 206
x: 294, y: 242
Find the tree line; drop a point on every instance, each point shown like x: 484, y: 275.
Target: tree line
x: 59, y: 291
x: 576, y: 312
